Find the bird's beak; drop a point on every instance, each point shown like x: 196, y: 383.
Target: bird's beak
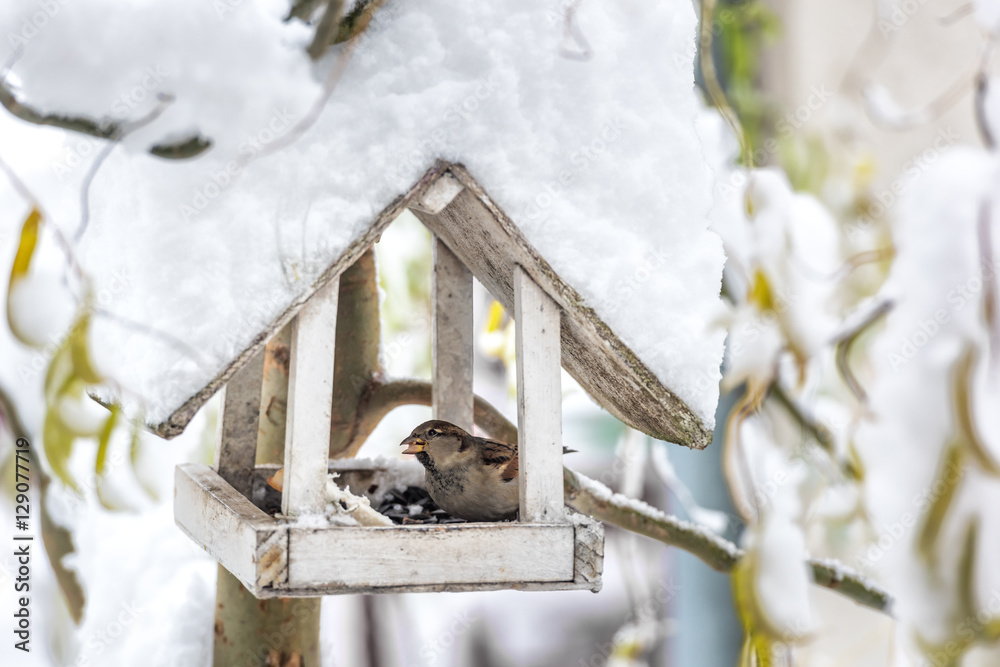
x: 414, y: 445
x: 277, y: 480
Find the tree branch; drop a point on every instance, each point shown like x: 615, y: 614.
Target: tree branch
x: 383, y: 397
x: 102, y: 129
x: 589, y: 497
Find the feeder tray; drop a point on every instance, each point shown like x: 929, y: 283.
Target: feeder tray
x: 548, y: 548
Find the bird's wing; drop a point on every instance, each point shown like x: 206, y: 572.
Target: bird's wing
x: 499, y: 454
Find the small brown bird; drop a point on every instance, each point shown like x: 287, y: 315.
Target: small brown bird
x: 468, y: 477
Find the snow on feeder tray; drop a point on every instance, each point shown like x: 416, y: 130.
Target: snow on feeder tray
x: 548, y: 548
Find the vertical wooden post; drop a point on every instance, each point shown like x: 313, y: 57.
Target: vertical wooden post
x: 539, y: 401
x: 236, y: 445
x: 452, y: 336
x: 310, y: 399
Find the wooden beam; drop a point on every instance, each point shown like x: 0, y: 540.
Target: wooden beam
x: 426, y: 555
x: 452, y: 336
x: 236, y: 445
x: 539, y: 401
x: 310, y: 398
x: 248, y: 542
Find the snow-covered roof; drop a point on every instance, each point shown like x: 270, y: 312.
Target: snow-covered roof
x: 584, y: 138
x: 490, y: 244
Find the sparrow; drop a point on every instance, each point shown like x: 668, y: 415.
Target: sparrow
x: 468, y: 477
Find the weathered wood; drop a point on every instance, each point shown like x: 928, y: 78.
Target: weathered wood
x: 539, y: 401
x: 337, y: 560
x: 236, y: 444
x: 424, y: 555
x: 248, y: 542
x: 452, y: 337
x: 274, y: 398
x: 437, y: 197
x: 490, y: 244
x: 310, y: 396
x: 174, y: 424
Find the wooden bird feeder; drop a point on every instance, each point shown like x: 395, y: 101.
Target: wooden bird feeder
x: 548, y: 548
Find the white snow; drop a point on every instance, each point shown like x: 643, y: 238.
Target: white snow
x: 604, y: 172
x: 938, y: 282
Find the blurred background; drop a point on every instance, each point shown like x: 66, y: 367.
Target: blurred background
x: 849, y: 105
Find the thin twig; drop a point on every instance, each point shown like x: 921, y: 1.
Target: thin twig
x: 571, y: 31
x: 845, y: 341
x: 145, y: 329
x: 711, y: 79
x: 326, y: 29
x: 123, y: 130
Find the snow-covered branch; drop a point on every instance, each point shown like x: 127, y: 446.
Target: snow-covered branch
x: 591, y: 497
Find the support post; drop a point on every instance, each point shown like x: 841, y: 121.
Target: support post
x: 310, y: 399
x: 236, y: 445
x: 539, y: 401
x: 452, y: 336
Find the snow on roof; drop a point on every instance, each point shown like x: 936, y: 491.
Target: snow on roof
x: 597, y: 162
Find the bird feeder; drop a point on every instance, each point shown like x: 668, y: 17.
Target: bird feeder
x: 547, y: 548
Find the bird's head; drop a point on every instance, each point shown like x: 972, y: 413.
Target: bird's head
x: 439, y: 443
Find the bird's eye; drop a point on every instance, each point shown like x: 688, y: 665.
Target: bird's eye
x: 433, y: 432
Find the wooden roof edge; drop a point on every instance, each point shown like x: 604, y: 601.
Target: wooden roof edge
x: 178, y: 420
x: 690, y: 430
x: 686, y: 428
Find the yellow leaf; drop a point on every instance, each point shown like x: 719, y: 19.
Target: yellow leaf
x: 949, y: 477
x: 134, y: 449
x: 82, y: 364
x: 967, y: 571
x: 57, y: 441
x: 104, y: 438
x: 961, y: 392
x: 760, y: 293
x: 22, y: 262
x: 26, y: 247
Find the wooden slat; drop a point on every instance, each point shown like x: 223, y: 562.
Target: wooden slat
x: 248, y: 542
x: 452, y: 336
x: 539, y: 401
x: 490, y: 244
x: 310, y: 396
x: 428, y: 555
x: 236, y: 447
